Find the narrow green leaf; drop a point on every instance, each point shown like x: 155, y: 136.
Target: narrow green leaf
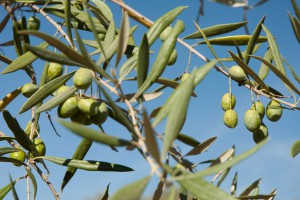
x: 150, y: 139
x: 249, y: 71
x: 99, y: 15
x: 234, y: 185
x: 250, y: 188
x: 23, y: 61
x: 274, y: 49
x: 253, y: 40
x: 162, y: 58
x: 79, y: 154
x: 4, y: 22
x: 123, y: 37
x: 13, y: 189
x: 6, y: 150
x: 6, y: 138
x: 45, y: 91
x: 201, y: 147
x: 227, y: 164
x: 172, y: 193
x: 9, y: 98
x: 17, y: 39
x: 143, y: 61
x: 203, y: 71
x: 104, y: 9
x: 296, y: 8
x: 132, y: 191
x: 52, y: 56
x: 5, y: 190
x: 128, y: 66
x: 56, y: 100
x: 295, y: 25
x: 295, y: 149
x: 264, y: 69
x: 188, y: 140
x: 233, y: 40
x: 216, y: 30
x: 106, y: 195
x: 91, y: 134
x: 260, y: 196
x: 11, y: 160
x: 177, y: 113
x: 67, y: 9
x: 297, y: 78
x: 281, y: 75
x: 110, y: 35
x: 34, y: 183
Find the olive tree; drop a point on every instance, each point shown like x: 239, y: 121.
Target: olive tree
x: 96, y: 72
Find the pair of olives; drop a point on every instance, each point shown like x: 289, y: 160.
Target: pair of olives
x: 230, y: 116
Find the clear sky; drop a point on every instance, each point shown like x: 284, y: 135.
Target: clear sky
x: 273, y: 164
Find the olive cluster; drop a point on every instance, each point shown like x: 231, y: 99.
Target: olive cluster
x: 252, y: 117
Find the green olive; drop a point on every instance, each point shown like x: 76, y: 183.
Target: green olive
x: 260, y: 134
x: 39, y: 146
x: 33, y: 23
x: 260, y: 108
x: 27, y: 130
x: 101, y: 117
x: 88, y: 106
x: 54, y: 70
x: 62, y: 89
x: 228, y: 101
x: 173, y: 58
x: 184, y: 76
x: 18, y: 155
x: 101, y: 36
x: 237, y: 73
x: 274, y: 111
x: 82, y: 78
x: 79, y: 117
x: 165, y: 34
x: 252, y: 120
x: 230, y: 118
x: 68, y: 108
x: 29, y: 89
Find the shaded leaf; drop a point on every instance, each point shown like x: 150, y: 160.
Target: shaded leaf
x: 67, y: 9
x: 11, y: 160
x: 200, y: 148
x: 4, y: 190
x: 44, y: 91
x: 216, y: 30
x: 297, y: 78
x: 143, y: 61
x: 295, y: 149
x: 132, y: 191
x: 6, y: 150
x: 17, y: 39
x: 13, y: 189
x: 233, y: 40
x: 9, y: 98
x: 296, y: 8
x: 57, y: 99
x: 91, y: 134
x: 260, y: 196
x: 144, y: 97
x: 106, y: 195
x: 296, y: 26
x: 188, y: 140
x: 5, y: 59
x: 250, y: 188
x: 89, y: 165
x: 6, y: 138
x: 234, y: 185
x: 4, y: 22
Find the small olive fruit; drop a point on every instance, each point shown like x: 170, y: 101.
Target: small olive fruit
x: 68, y: 108
x: 185, y: 76
x: 101, y: 117
x: 33, y: 23
x: 230, y: 118
x: 274, y: 111
x: 27, y: 130
x: 82, y: 78
x: 228, y: 101
x: 39, y: 146
x: 165, y: 34
x: 54, y: 70
x: 172, y: 58
x: 101, y: 36
x: 29, y: 89
x: 18, y: 155
x: 79, y: 117
x: 237, y: 73
x: 260, y: 108
x: 260, y: 134
x: 88, y: 106
x: 252, y: 120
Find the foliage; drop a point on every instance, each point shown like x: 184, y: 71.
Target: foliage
x: 111, y: 60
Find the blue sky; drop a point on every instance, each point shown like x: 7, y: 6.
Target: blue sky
x: 272, y: 163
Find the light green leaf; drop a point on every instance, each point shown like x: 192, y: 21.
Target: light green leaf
x: 264, y: 69
x: 104, y: 9
x: 188, y: 140
x: 45, y: 91
x: 89, y: 165
x: 98, y: 14
x: 143, y: 61
x: 295, y: 149
x: 110, y: 35
x: 91, y: 134
x: 233, y: 40
x: 296, y: 26
x: 4, y: 190
x: 67, y: 9
x: 6, y: 150
x: 132, y: 191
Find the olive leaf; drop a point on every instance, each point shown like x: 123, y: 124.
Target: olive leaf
x: 9, y: 98
x: 6, y: 138
x: 295, y: 25
x: 250, y: 188
x: 233, y: 40
x: 6, y: 150
x: 106, y: 195
x: 104, y: 9
x: 13, y: 189
x: 188, y: 140
x: 5, y: 59
x: 5, y: 190
x: 201, y: 147
x: 234, y: 185
x: 143, y: 61
x: 17, y: 39
x: 296, y: 8
x: 264, y: 69
x: 67, y: 9
x: 295, y: 149
x: 4, y: 22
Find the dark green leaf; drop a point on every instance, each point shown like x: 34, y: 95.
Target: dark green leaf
x: 13, y: 189
x: 259, y: 196
x: 9, y: 98
x: 216, y: 30
x: 106, y: 195
x: 6, y: 150
x: 249, y: 189
x: 297, y: 78
x: 17, y: 39
x: 67, y: 9
x: 11, y: 160
x: 233, y: 40
x: 132, y: 191
x: 234, y: 185
x: 295, y: 149
x: 4, y: 190
x: 45, y: 91
x: 296, y: 8
x: 143, y: 61
x: 188, y: 140
x: 201, y: 147
x: 7, y: 138
x: 89, y: 165
x: 4, y: 22
x: 5, y: 59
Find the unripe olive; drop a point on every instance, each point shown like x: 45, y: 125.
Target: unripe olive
x: 29, y: 89
x: 228, y: 101
x: 101, y: 117
x: 184, y: 76
x: 274, y: 111
x: 88, y: 106
x: 79, y: 117
x: 260, y: 108
x: 165, y: 34
x: 230, y: 118
x: 68, y: 108
x: 27, y: 130
x: 54, y: 70
x: 18, y: 155
x: 252, y: 120
x: 39, y: 146
x: 260, y: 134
x: 33, y: 23
x: 172, y: 58
x: 237, y: 73
x: 101, y: 36
x: 82, y: 78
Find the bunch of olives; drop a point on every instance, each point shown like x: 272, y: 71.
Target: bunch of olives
x: 228, y: 103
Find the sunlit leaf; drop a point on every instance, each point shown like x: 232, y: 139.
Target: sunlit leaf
x: 188, y: 140
x: 201, y: 147
x: 9, y: 98
x: 145, y: 97
x: 295, y: 149
x: 143, y: 61
x: 4, y: 190
x: 250, y: 188
x: 264, y: 69
x: 104, y: 9
x: 233, y: 40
